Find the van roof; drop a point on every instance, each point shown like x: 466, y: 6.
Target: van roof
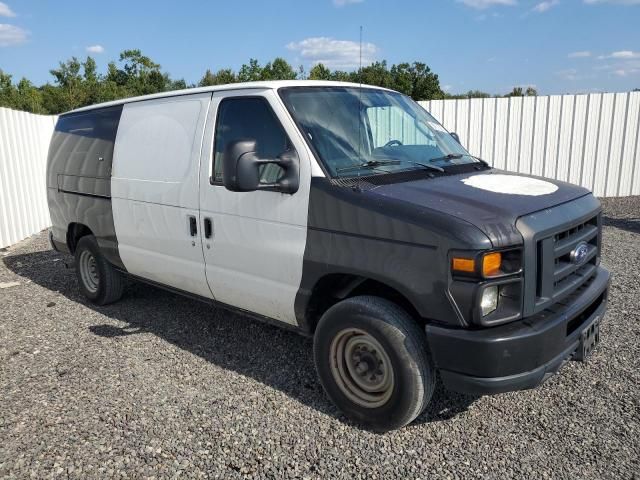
x: 270, y: 84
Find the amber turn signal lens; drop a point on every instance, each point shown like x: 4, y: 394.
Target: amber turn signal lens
x: 464, y: 265
x: 491, y: 264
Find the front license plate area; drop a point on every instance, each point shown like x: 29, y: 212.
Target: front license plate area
x: 589, y: 338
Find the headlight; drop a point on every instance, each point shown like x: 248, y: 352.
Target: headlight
x: 487, y: 264
x: 489, y: 300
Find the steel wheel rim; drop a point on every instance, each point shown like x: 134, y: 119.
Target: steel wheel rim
x: 89, y: 271
x: 361, y: 368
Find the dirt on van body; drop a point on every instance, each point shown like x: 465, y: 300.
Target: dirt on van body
x: 159, y: 385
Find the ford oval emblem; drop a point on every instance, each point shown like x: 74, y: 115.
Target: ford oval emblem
x: 579, y: 254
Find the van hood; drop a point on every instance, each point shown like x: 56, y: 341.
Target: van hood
x: 491, y: 200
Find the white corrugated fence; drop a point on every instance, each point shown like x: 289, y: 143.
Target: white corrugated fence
x: 24, y: 142
x: 590, y: 140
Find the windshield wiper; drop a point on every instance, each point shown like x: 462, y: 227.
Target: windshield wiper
x: 426, y: 165
x: 368, y: 164
x: 483, y: 162
x: 451, y: 156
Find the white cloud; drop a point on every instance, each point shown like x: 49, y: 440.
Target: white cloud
x: 483, y: 16
x: 447, y: 88
x: 625, y: 54
x: 569, y: 74
x: 619, y: 2
x: 342, y: 3
x: 336, y: 54
x: 580, y: 54
x: 12, y: 35
x: 546, y: 5
x: 95, y: 49
x: 626, y: 71
x: 621, y: 55
x: 5, y: 11
x: 482, y: 4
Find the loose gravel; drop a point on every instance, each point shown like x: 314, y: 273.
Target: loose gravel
x: 159, y: 386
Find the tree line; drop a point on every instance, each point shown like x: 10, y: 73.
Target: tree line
x: 77, y: 83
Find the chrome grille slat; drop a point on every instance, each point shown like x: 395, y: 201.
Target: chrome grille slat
x: 564, y: 246
x: 575, y: 281
x: 564, y: 269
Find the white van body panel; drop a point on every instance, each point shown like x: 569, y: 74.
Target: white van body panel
x: 154, y: 188
x: 254, y: 259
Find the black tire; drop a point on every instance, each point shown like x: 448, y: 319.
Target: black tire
x: 405, y: 347
x: 109, y: 283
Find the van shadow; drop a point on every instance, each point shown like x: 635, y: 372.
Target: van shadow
x: 629, y: 224
x: 275, y: 357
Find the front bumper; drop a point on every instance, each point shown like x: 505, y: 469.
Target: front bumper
x: 521, y: 354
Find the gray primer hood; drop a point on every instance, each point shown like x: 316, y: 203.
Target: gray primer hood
x: 493, y: 213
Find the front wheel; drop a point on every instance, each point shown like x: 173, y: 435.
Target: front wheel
x: 99, y: 281
x: 372, y: 360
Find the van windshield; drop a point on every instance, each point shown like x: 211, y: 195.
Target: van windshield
x: 358, y: 131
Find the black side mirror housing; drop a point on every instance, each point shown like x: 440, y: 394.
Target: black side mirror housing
x: 456, y: 137
x: 241, y: 169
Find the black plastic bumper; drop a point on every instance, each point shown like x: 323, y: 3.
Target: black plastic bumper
x: 518, y: 355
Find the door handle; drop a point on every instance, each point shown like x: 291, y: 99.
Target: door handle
x: 208, y: 228
x: 193, y: 226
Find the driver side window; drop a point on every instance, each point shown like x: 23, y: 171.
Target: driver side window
x: 249, y: 118
x: 391, y: 123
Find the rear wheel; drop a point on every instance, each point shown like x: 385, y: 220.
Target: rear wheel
x: 373, y: 363
x: 99, y: 281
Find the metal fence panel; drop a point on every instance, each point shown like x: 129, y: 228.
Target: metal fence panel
x: 24, y: 142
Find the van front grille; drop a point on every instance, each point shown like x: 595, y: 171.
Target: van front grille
x: 550, y: 237
x: 558, y: 275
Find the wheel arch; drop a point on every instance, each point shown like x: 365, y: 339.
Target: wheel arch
x: 75, y: 231
x: 334, y: 287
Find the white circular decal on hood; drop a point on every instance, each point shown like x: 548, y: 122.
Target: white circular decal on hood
x: 511, y: 184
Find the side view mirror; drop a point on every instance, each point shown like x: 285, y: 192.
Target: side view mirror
x: 456, y: 137
x: 241, y: 169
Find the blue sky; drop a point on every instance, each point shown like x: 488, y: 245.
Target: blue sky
x: 559, y: 46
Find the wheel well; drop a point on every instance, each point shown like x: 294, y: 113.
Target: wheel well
x: 74, y: 233
x: 333, y: 288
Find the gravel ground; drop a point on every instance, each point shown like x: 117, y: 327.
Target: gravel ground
x: 160, y: 386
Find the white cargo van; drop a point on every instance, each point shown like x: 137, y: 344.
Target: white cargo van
x: 345, y: 212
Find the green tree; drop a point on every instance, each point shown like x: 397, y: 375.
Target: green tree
x: 251, y: 72
x: 403, y: 78
x: 340, y: 76
x: 30, y: 98
x: 477, y: 94
x: 70, y: 91
x: 516, y: 92
x: 78, y: 83
x: 320, y: 72
x: 375, y: 74
x: 139, y: 74
x: 221, y: 77
x: 279, y: 69
x: 426, y: 84
x: 8, y: 92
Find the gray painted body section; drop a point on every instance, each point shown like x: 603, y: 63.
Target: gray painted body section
x: 79, y: 177
x: 393, y: 241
